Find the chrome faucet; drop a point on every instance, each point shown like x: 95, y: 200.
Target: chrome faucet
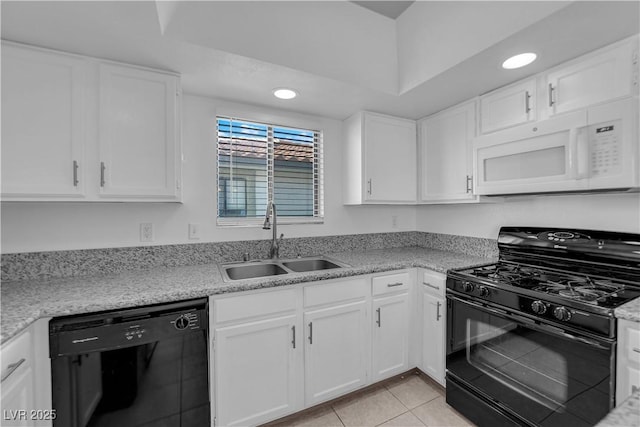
x: 274, y: 251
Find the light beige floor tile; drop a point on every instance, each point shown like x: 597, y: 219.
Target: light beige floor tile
x: 413, y: 391
x: 326, y: 419
x: 438, y: 413
x: 323, y: 416
x: 370, y: 409
x: 405, y: 420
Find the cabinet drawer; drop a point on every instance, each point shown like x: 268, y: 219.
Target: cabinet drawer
x: 434, y: 283
x: 633, y: 347
x: 15, y: 351
x: 335, y: 292
x: 253, y: 305
x: 390, y: 283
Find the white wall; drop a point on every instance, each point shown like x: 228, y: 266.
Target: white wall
x: 32, y: 227
x: 613, y: 212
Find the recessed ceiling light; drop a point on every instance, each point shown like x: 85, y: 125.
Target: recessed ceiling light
x: 284, y: 93
x: 518, y: 61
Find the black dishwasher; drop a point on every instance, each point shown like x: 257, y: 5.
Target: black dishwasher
x: 145, y: 366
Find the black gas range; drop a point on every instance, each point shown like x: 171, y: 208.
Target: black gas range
x: 532, y: 337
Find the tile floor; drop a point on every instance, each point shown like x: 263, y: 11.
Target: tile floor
x: 407, y: 401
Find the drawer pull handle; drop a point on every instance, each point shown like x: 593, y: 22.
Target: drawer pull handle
x: 378, y: 321
x: 431, y: 286
x: 438, y: 315
x: 310, y: 332
x: 392, y: 285
x: 637, y: 350
x: 11, y: 369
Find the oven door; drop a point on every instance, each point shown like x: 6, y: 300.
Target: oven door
x: 534, y: 372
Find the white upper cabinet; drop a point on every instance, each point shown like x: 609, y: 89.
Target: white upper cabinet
x: 446, y: 168
x: 139, y: 151
x: 77, y: 128
x: 379, y: 159
x: 600, y: 76
x: 509, y: 106
x: 42, y: 124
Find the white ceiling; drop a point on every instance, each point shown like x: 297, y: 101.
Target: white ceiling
x: 339, y: 56
x: 390, y: 9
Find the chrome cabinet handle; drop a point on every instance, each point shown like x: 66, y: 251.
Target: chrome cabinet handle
x: 551, y: 89
x: 378, y: 321
x: 527, y: 106
x: 11, y: 369
x: 431, y: 286
x: 637, y: 350
x: 438, y: 315
x: 293, y: 332
x: 102, y: 168
x: 310, y: 332
x: 469, y: 183
x: 369, y: 190
x: 392, y: 285
x: 75, y: 173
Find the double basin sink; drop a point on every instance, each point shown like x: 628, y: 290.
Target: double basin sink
x: 271, y: 267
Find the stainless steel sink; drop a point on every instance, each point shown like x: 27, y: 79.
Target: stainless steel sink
x: 310, y: 264
x: 250, y: 271
x: 267, y: 268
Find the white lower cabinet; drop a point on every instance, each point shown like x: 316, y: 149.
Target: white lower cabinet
x: 628, y: 360
x: 25, y: 395
x: 256, y: 358
x: 258, y: 379
x: 335, y: 351
x: 390, y: 325
x: 433, y: 324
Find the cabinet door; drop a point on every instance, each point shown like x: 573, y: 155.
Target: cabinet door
x: 433, y: 337
x: 255, y: 371
x: 628, y: 360
x: 42, y: 125
x: 390, y: 336
x: 335, y: 351
x: 139, y: 147
x: 596, y: 78
x: 390, y: 159
x: 506, y: 107
x: 446, y: 156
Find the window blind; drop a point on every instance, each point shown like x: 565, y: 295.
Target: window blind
x: 258, y: 163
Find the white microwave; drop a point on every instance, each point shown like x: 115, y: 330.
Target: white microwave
x: 591, y: 149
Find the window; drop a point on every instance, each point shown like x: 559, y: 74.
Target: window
x: 258, y: 163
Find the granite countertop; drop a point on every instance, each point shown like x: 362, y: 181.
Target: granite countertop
x: 629, y: 311
x: 23, y: 302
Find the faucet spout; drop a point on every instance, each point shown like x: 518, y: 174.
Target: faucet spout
x: 274, y: 250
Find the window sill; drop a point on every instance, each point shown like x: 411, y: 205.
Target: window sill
x: 258, y: 222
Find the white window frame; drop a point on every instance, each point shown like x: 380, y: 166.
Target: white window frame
x: 318, y: 164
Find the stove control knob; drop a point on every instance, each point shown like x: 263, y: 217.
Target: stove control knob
x: 561, y: 313
x: 484, y: 291
x: 468, y: 287
x: 538, y: 307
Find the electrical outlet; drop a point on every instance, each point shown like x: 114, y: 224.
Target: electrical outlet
x: 194, y: 231
x: 146, y: 232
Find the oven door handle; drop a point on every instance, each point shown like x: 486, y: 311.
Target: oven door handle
x: 530, y: 323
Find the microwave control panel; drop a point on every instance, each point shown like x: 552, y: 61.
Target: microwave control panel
x: 605, y: 149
